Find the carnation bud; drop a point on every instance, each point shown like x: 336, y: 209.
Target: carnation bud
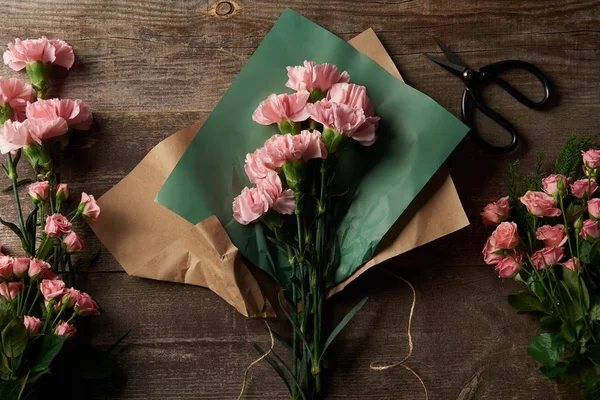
x: 287, y: 126
x: 294, y: 174
x: 332, y: 140
x: 39, y: 75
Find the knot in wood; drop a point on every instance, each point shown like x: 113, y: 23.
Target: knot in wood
x: 224, y: 8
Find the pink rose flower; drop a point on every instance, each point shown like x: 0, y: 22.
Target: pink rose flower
x: 590, y: 230
x: 508, y: 268
x: 39, y: 191
x: 540, y: 204
x: 550, y: 183
x: 65, y: 329
x: 86, y: 306
x: 71, y: 297
x: 62, y: 191
x: 490, y: 252
x: 342, y: 119
x: 572, y: 264
x: 52, y: 289
x: 20, y: 266
x: 591, y: 158
x: 16, y: 95
x: 302, y: 147
x: 13, y: 290
x: 38, y: 268
x: 497, y: 212
x: 24, y: 52
x: 57, y: 225
x: 552, y: 236
x: 313, y: 76
x: 251, y: 204
x: 506, y: 236
x: 283, y: 107
x: 547, y: 257
x: 32, y: 324
x: 43, y: 129
x: 6, y: 267
x: 258, y: 165
x: 73, y: 243
x: 49, y: 275
x: 15, y: 136
x: 76, y: 113
x: 584, y: 188
x: 284, y: 201
x: 89, y: 208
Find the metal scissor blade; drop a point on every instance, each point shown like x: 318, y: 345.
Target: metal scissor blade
x: 455, y: 69
x: 453, y: 58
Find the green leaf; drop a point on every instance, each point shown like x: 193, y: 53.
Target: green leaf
x: 14, y: 338
x: 558, y: 371
x: 296, y: 328
x: 19, y: 184
x: 10, y: 390
x: 535, y: 286
x: 569, y: 332
x: 588, y: 251
x: 36, y: 377
x: 591, y: 388
x: 274, y: 365
x: 343, y: 324
x: 547, y: 348
x: 526, y: 302
x: 6, y: 313
x: 50, y: 346
x: 280, y: 339
x: 595, y: 311
x: 550, y: 322
x: 574, y: 211
x: 13, y: 228
x: 571, y: 278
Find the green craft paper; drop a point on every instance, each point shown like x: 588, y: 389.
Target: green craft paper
x: 415, y: 137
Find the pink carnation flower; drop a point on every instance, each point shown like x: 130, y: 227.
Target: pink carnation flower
x: 44, y: 129
x: 314, y: 76
x: 258, y: 165
x: 355, y: 96
x: 15, y: 94
x: 283, y: 107
x: 302, y: 147
x: 15, y: 136
x: 343, y: 119
x: 251, y: 204
x: 283, y: 201
x: 24, y: 52
x: 76, y: 113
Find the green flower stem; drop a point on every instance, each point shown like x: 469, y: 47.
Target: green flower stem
x: 566, y: 223
x: 295, y: 338
x: 577, y: 266
x: 48, y: 314
x: 26, y: 298
x: 37, y: 296
x: 13, y: 178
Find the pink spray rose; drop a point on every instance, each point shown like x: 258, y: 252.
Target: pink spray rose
x: 490, y: 252
x: 591, y: 158
x: 24, y: 52
x: 509, y: 266
x: 283, y: 107
x: 15, y: 136
x: 572, y: 264
x: 6, y: 267
x: 86, y: 306
x: 313, y: 76
x: 20, y: 266
x: 76, y: 113
x: 52, y: 289
x: 550, y: 183
x: 251, y: 204
x: 590, y: 230
x: 497, y: 212
x: 506, y: 236
x: 89, y: 208
x: 552, y: 235
x: 342, y: 119
x: 547, y: 257
x: 62, y: 191
x: 65, y: 329
x: 258, y: 165
x: 32, y: 324
x: 13, y: 290
x: 73, y: 242
x: 283, y: 201
x: 57, y: 225
x: 16, y: 95
x: 584, y: 188
x: 71, y: 297
x: 39, y: 191
x: 38, y: 269
x: 540, y: 204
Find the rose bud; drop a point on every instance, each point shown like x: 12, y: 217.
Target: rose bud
x: 32, y: 324
x: 65, y: 329
x: 492, y: 254
x: 508, y: 267
x: 62, y: 192
x: 590, y: 230
x: 584, y: 188
x: 554, y: 184
x: 57, y: 225
x: 20, y: 266
x: 506, y: 236
x: 594, y: 208
x: 86, y: 306
x: 88, y: 207
x: 572, y: 264
x: 13, y: 290
x: 52, y: 289
x: 497, y: 212
x: 547, y: 257
x: 71, y: 297
x: 540, y: 204
x: 6, y: 267
x: 56, y: 306
x: 591, y: 158
x: 73, y: 242
x: 552, y: 235
x: 38, y: 269
x: 38, y: 191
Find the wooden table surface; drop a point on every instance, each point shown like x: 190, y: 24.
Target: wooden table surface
x: 149, y: 68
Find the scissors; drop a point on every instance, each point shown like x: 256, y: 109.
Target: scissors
x: 476, y: 81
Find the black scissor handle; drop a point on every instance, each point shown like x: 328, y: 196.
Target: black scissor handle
x: 490, y: 74
x: 469, y: 96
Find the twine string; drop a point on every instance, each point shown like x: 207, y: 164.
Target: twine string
x: 259, y: 359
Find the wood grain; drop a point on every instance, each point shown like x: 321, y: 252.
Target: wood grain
x: 149, y: 68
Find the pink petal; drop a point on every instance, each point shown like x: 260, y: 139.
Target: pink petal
x: 64, y: 53
x: 42, y: 129
x: 286, y: 203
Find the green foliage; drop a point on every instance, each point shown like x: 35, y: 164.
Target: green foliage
x: 526, y: 302
x: 547, y: 348
x: 50, y: 346
x: 518, y: 184
x: 14, y: 338
x: 568, y: 162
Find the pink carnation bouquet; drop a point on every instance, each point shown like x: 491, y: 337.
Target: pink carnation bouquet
x: 292, y: 198
x: 39, y: 309
x: 547, y: 238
